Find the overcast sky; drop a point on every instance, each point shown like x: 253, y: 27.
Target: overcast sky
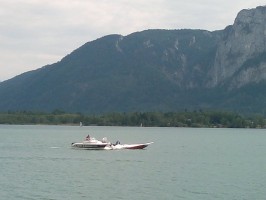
x: 34, y: 33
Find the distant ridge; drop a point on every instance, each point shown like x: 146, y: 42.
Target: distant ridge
x: 153, y: 70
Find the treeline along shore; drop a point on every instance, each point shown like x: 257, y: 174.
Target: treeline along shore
x: 209, y: 119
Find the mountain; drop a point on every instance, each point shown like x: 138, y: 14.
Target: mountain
x: 153, y: 70
x: 240, y: 57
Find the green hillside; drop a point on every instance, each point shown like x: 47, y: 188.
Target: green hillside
x: 153, y: 70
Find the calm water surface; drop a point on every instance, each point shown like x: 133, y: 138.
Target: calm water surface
x: 36, y: 162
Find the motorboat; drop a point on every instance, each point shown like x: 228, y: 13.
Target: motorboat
x: 91, y: 144
x: 119, y: 146
x: 94, y: 144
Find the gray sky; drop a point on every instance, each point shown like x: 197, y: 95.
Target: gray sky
x: 34, y: 33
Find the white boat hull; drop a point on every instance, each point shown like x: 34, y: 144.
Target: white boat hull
x: 83, y: 145
x: 127, y: 146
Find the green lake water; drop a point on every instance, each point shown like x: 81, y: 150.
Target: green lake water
x: 37, y: 162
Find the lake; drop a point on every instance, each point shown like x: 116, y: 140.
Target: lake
x: 37, y: 162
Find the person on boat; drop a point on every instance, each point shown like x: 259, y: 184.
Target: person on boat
x: 104, y: 140
x: 88, y: 137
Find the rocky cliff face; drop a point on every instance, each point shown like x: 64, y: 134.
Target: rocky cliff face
x: 240, y: 57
